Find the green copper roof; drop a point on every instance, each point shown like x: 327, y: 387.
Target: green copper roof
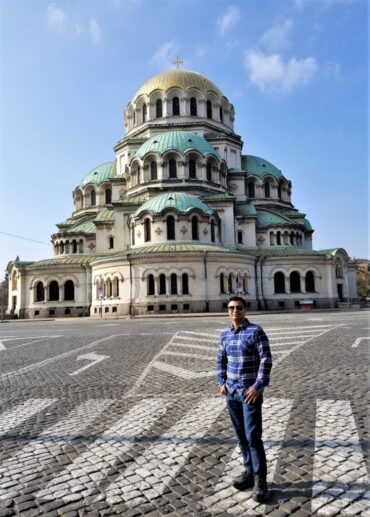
x: 259, y: 167
x: 243, y: 209
x: 100, y: 174
x: 63, y: 261
x: 268, y: 218
x: 307, y: 225
x: 104, y: 216
x: 178, y: 200
x: 181, y: 141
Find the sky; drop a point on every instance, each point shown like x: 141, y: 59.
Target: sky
x: 296, y: 72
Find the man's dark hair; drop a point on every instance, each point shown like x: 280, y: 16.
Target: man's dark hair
x: 237, y: 299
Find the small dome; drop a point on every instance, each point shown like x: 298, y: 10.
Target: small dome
x: 177, y: 200
x: 259, y: 167
x: 181, y: 141
x: 183, y: 79
x: 100, y: 174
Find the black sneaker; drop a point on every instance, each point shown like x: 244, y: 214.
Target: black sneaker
x: 260, y: 492
x: 246, y: 480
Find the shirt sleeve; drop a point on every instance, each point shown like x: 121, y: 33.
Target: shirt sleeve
x: 263, y: 349
x: 221, y: 362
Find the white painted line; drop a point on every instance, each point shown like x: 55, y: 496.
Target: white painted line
x: 358, y: 341
x: 293, y: 332
x: 199, y: 333
x: 340, y: 480
x: 55, y: 358
x: 196, y: 356
x: 165, y: 458
x: 32, y: 342
x: 276, y: 414
x: 26, y: 337
x: 93, y: 357
x: 294, y: 327
x: 15, y: 417
x: 181, y: 372
x: 2, y: 346
x: 29, y: 461
x: 187, y: 338
x: 198, y: 347
x: 110, y: 325
x: 104, y: 452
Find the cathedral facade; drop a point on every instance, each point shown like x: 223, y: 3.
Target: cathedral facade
x: 178, y: 221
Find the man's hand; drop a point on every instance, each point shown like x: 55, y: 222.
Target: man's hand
x: 252, y: 394
x: 223, y: 390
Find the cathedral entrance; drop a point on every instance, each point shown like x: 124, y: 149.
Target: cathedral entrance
x: 340, y: 292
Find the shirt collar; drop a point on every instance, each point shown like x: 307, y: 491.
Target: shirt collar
x: 243, y: 326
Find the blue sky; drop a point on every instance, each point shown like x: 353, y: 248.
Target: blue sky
x: 295, y: 70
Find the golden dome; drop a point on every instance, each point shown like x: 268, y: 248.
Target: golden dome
x: 183, y: 79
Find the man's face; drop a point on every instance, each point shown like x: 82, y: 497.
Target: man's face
x: 236, y: 312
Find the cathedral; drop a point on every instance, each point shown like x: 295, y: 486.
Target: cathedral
x: 180, y: 220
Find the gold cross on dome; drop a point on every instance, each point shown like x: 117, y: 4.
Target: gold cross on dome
x: 177, y: 62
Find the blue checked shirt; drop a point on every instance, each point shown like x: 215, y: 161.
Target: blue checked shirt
x: 243, y: 358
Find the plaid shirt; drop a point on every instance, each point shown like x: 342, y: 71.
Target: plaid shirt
x: 243, y: 358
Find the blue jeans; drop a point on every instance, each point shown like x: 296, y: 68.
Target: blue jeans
x: 247, y: 423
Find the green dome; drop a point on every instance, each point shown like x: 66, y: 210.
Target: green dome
x: 100, y: 174
x: 178, y: 200
x: 181, y: 141
x: 259, y: 167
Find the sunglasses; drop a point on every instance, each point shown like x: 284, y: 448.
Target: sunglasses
x: 236, y: 308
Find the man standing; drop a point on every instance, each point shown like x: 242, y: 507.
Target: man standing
x: 243, y: 370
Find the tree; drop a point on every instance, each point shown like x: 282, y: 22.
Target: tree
x: 3, y: 297
x: 362, y: 277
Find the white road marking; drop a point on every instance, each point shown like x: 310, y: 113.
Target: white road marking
x: 195, y: 356
x: 32, y: 458
x: 163, y: 460
x: 198, y: 347
x: 16, y: 416
x: 276, y: 414
x: 2, y: 346
x: 181, y: 372
x: 93, y: 357
x: 358, y: 341
x: 104, y: 452
x: 340, y: 480
x: 32, y: 342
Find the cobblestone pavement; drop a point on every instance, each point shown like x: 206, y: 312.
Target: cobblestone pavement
x: 122, y: 418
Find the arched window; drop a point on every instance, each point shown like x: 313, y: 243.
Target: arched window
x: 74, y: 246
x: 153, y: 170
x: 310, y: 282
x: 147, y: 230
x: 173, y: 168
x: 81, y: 246
x: 54, y: 291
x: 93, y: 198
x: 111, y: 243
x: 230, y: 283
x: 209, y: 171
x: 162, y: 284
x: 292, y: 240
x: 272, y: 240
x: 62, y: 247
x: 133, y: 234
x: 40, y: 292
x: 144, y: 112
x: 338, y: 269
x: 279, y: 191
x: 251, y: 189
x: 278, y: 238
x: 175, y: 106
x: 213, y: 235
x: 193, y: 107
x: 295, y: 282
x: 279, y: 283
x: 209, y: 109
x: 170, y: 228
x: 69, y: 290
x: 108, y: 288
x: 151, y: 290
x: 245, y: 284
x: 185, y: 283
x: 240, y: 237
x: 192, y: 169
x: 221, y: 114
x: 222, y: 283
x: 158, y: 108
x: 108, y: 196
x: 115, y: 287
x: 194, y: 228
x: 173, y: 283
x: 267, y: 188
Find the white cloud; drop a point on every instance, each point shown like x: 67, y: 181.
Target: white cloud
x: 56, y: 18
x: 227, y: 21
x: 270, y: 73
x: 164, y: 55
x: 94, y: 31
x: 277, y: 36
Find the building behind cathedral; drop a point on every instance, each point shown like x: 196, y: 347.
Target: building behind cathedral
x: 178, y: 221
